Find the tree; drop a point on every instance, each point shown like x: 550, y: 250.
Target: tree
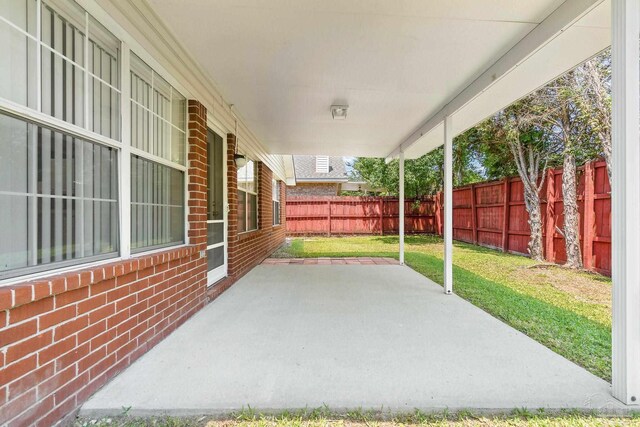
x: 422, y: 176
x: 565, y: 123
x: 515, y: 128
x: 594, y: 100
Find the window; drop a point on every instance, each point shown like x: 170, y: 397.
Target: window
x: 59, y: 178
x: 59, y: 190
x: 275, y: 196
x: 157, y: 205
x: 158, y: 114
x: 158, y: 134
x: 58, y: 198
x: 247, y: 198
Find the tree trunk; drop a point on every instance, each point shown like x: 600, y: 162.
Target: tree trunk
x: 571, y: 227
x: 532, y: 204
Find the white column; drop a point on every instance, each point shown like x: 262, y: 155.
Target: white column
x: 448, y: 206
x: 625, y: 200
x: 401, y: 207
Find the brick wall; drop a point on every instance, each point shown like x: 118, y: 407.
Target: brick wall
x: 308, y: 189
x: 65, y: 336
x: 246, y: 250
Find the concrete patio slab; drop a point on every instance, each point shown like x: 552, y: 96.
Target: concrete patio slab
x: 346, y: 336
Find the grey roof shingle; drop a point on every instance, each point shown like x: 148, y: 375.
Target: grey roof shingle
x: 305, y: 167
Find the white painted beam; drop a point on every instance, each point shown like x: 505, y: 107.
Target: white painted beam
x: 553, y: 25
x: 625, y: 201
x: 448, y: 206
x: 401, y: 208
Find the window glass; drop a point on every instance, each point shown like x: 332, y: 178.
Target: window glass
x: 58, y: 198
x: 104, y: 81
x: 157, y: 205
x: 247, y: 198
x: 18, y: 73
x: 157, y: 114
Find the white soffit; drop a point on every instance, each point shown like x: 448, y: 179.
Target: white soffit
x: 283, y: 63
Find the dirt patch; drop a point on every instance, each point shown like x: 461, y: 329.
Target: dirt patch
x: 584, y: 286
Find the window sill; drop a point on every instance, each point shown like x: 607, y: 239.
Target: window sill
x: 26, y: 289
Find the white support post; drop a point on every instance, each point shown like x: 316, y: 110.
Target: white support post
x: 401, y: 207
x: 625, y: 200
x: 125, y: 155
x: 448, y: 206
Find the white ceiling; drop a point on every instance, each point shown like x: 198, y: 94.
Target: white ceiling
x: 283, y: 63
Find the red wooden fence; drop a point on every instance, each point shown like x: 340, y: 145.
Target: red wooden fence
x: 490, y: 214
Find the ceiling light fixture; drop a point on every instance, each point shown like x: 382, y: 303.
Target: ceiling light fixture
x: 339, y: 112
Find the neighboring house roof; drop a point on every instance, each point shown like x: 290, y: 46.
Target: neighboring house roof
x: 307, y: 169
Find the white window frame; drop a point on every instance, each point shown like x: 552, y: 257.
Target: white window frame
x: 276, y: 197
x: 123, y: 145
x: 133, y: 151
x: 246, y: 199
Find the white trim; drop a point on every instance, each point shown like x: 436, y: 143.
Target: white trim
x: 625, y: 201
x: 157, y: 159
x: 125, y: 154
x: 553, y: 25
x: 29, y: 114
x: 448, y: 205
x: 401, y: 217
x: 221, y: 271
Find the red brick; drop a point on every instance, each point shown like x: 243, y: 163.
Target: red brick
x: 33, y: 309
x: 58, y: 285
x: 41, y: 290
x: 57, y: 349
x: 56, y: 317
x: 28, y: 346
x: 55, y: 382
x: 72, y: 281
x: 100, y: 367
x: 71, y: 327
x: 29, y: 417
x: 3, y: 395
x: 18, y: 332
x: 91, y: 359
x: 102, y: 339
x: 18, y: 369
x: 68, y: 359
x: 103, y: 286
x: 71, y: 296
x: 102, y: 313
x: 91, y: 303
x: 30, y: 380
x: 22, y: 294
x: 60, y: 410
x: 118, y: 293
x: 6, y: 298
x: 90, y: 332
x: 125, y: 302
x: 18, y: 405
x: 126, y: 279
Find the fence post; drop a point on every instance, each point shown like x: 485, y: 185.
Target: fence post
x: 438, y: 209
x: 329, y: 217
x: 550, y: 220
x: 589, y: 216
x: 381, y: 216
x: 505, y: 215
x: 474, y: 218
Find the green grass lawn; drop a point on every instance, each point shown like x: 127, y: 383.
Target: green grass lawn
x: 567, y: 311
x: 322, y: 417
